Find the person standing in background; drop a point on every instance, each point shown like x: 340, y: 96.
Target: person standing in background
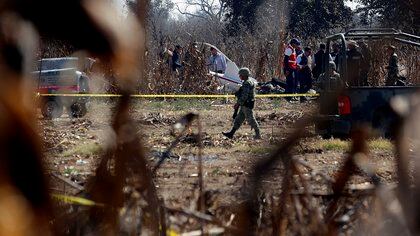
x: 355, y: 63
x: 217, y: 62
x: 365, y: 67
x: 290, y: 66
x: 319, y: 60
x: 392, y: 67
x: 334, y: 53
x: 304, y: 73
x: 176, y: 59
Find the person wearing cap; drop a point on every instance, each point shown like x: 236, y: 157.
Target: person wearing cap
x: 217, y: 62
x: 290, y: 66
x: 245, y: 103
x: 392, y: 67
x: 355, y: 64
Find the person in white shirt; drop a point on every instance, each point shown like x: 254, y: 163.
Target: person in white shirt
x: 217, y: 62
x: 304, y: 73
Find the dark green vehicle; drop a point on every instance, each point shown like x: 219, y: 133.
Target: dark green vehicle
x: 342, y: 108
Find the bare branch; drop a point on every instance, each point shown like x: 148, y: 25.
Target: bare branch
x: 210, y: 10
x: 185, y: 12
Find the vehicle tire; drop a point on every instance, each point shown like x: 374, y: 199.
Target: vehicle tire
x: 384, y: 128
x: 51, y: 109
x: 323, y: 129
x: 77, y: 110
x: 382, y: 123
x: 327, y: 136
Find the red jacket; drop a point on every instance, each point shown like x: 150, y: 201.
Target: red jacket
x: 290, y: 59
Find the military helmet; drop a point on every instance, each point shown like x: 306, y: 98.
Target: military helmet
x: 244, y: 72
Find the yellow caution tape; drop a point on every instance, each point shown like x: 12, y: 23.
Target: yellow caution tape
x: 287, y: 95
x: 203, y: 96
x: 171, y: 232
x: 76, y: 200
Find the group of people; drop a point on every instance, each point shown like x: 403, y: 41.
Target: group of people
x: 301, y: 68
x: 177, y: 59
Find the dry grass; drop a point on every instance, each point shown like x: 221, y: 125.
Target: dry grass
x: 86, y: 149
x: 343, y: 145
x: 381, y: 144
x: 125, y: 184
x: 333, y: 145
x: 260, y: 150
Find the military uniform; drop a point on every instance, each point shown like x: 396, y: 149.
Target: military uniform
x: 365, y: 67
x: 355, y: 62
x: 392, y: 67
x: 246, y: 102
x: 331, y: 82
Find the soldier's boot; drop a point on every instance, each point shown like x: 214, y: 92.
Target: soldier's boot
x: 257, y: 134
x: 230, y: 133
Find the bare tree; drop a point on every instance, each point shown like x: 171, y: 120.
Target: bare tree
x: 210, y: 10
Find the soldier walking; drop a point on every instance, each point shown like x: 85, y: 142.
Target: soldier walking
x: 245, y: 103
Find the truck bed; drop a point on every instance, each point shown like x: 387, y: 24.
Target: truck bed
x: 368, y: 105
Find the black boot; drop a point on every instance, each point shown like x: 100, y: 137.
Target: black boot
x: 230, y: 134
x: 303, y: 99
x: 257, y: 134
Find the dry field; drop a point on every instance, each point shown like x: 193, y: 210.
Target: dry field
x: 73, y: 148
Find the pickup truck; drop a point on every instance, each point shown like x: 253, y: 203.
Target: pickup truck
x: 341, y: 109
x: 359, y: 105
x: 65, y: 75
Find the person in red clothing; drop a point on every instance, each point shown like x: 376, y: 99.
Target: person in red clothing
x: 290, y: 66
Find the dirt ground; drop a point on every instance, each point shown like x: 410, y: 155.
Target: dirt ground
x: 73, y: 146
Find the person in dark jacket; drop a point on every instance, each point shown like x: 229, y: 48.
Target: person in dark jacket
x: 365, y: 67
x: 304, y: 73
x: 319, y: 60
x: 392, y: 67
x: 176, y: 58
x: 335, y: 53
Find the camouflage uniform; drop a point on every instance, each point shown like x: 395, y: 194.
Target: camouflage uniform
x: 246, y: 99
x: 331, y: 80
x: 392, y: 70
x: 355, y: 62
